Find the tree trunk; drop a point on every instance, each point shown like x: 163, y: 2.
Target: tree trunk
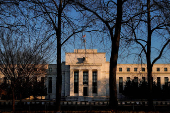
x: 113, y: 103
x: 148, y: 56
x: 59, y: 76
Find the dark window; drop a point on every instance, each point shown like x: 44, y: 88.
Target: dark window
x: 85, y: 91
x: 85, y: 77
x: 94, y: 84
x: 159, y: 82
x: 42, y: 81
x: 136, y: 81
x: 143, y: 79
x: 76, y: 81
x: 143, y: 69
x: 135, y: 69
x: 120, y: 69
x: 166, y: 80
x: 128, y: 79
x: 120, y: 84
x: 50, y: 85
x: 158, y: 69
x: 128, y: 69
x: 50, y: 69
x: 165, y: 69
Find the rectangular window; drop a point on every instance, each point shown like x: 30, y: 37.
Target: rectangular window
x: 165, y: 69
x: 136, y: 81
x: 50, y: 70
x: 135, y: 69
x: 143, y: 79
x: 120, y: 84
x: 128, y: 69
x: 49, y: 84
x: 166, y: 80
x: 158, y: 69
x: 159, y: 82
x: 94, y: 84
x: 42, y: 80
x: 120, y: 69
x: 128, y: 79
x: 85, y: 77
x: 143, y: 69
x: 76, y: 81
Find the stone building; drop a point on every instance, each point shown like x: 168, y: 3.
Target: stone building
x: 85, y: 76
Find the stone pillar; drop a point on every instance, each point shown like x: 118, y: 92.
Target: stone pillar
x: 90, y: 82
x: 80, y: 82
x: 99, y: 83
x: 71, y: 83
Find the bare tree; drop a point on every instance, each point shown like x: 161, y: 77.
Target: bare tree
x: 60, y: 25
x: 109, y: 13
x: 20, y: 59
x: 157, y: 24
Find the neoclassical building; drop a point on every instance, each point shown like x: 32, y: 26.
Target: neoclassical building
x: 85, y: 76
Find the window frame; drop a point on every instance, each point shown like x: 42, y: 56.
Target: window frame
x: 135, y: 69
x: 128, y: 69
x: 76, y: 81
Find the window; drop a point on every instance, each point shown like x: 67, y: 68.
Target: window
x: 128, y: 79
x: 128, y: 69
x: 50, y: 70
x: 76, y: 81
x: 42, y: 81
x: 159, y: 82
x: 165, y: 69
x: 120, y: 69
x: 120, y: 84
x: 136, y: 81
x: 166, y: 80
x: 143, y: 79
x: 49, y: 84
x: 158, y: 69
x: 135, y: 69
x: 143, y: 69
x: 94, y: 84
x: 85, y: 77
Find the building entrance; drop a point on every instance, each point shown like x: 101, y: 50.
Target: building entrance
x: 85, y: 91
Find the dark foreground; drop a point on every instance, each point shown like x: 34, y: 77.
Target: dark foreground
x: 80, y: 108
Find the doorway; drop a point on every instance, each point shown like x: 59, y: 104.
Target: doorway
x: 85, y: 91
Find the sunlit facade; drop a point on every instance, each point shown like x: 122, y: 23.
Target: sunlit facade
x: 85, y: 76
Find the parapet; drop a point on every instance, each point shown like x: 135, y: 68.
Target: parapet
x: 85, y: 51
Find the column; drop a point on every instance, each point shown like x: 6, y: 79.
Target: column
x: 90, y: 75
x: 99, y: 83
x: 71, y: 83
x: 80, y: 82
